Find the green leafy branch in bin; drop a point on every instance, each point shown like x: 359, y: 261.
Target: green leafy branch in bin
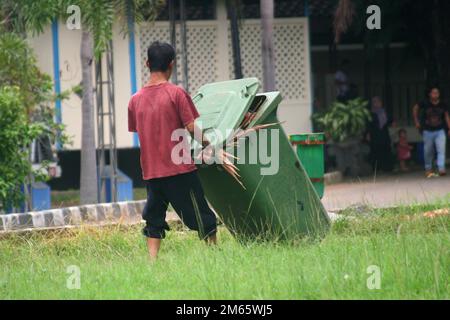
x: 344, y: 121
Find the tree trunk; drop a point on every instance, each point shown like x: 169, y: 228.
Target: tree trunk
x: 88, y: 177
x: 268, y: 60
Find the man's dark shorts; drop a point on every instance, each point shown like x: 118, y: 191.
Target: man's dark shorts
x: 185, y: 193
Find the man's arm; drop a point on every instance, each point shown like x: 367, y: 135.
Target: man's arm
x: 208, y: 151
x: 131, y: 117
x: 416, y: 109
x: 192, y: 128
x: 188, y: 113
x: 447, y: 118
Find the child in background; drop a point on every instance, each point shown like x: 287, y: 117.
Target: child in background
x: 403, y: 150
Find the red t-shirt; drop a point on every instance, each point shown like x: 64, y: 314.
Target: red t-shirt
x: 155, y: 112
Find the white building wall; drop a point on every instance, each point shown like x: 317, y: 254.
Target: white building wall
x: 122, y: 86
x: 42, y: 47
x: 70, y: 74
x: 209, y: 60
x: 292, y: 67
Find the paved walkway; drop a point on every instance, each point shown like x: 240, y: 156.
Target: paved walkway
x: 381, y: 191
x: 387, y: 190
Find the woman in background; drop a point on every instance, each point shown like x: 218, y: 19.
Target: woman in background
x: 379, y: 138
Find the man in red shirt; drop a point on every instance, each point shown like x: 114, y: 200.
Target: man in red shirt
x: 155, y: 112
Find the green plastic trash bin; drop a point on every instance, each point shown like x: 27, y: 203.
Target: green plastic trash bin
x: 284, y: 205
x: 310, y: 152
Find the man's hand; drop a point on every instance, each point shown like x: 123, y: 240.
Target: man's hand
x: 206, y: 155
x: 416, y: 110
x: 418, y: 126
x: 211, y: 155
x: 197, y: 134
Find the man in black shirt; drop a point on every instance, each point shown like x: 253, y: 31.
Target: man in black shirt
x: 431, y: 117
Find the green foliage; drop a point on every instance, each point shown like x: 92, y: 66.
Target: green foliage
x: 26, y: 112
x: 18, y: 68
x: 16, y: 133
x: 344, y: 121
x: 96, y: 16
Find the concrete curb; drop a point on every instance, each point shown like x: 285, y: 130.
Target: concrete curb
x: 92, y: 215
x: 104, y: 213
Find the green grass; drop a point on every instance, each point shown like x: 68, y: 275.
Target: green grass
x: 411, y: 251
x: 68, y: 198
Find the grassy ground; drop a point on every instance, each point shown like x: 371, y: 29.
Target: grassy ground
x: 67, y: 198
x: 411, y: 251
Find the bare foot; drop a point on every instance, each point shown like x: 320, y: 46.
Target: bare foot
x: 212, y: 239
x: 153, y: 246
x: 430, y: 174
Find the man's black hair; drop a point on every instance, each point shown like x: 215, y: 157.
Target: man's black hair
x: 431, y: 88
x: 160, y: 55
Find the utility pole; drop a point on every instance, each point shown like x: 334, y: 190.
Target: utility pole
x: 231, y: 8
x: 268, y: 60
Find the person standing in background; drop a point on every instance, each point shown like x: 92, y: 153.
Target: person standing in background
x: 342, y: 84
x: 431, y: 118
x: 379, y: 138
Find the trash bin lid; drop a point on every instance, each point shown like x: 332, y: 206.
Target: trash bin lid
x: 272, y: 100
x: 308, y: 138
x: 223, y: 105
